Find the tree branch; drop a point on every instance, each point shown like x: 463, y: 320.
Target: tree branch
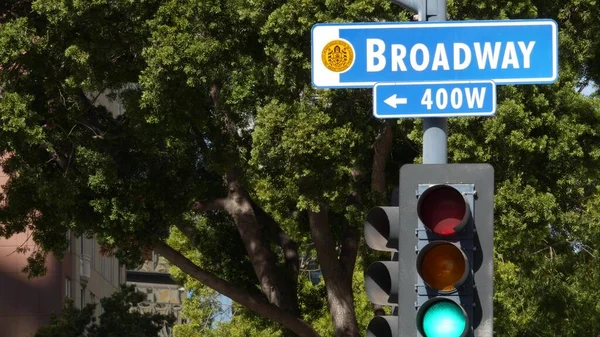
x: 211, y: 205
x: 250, y: 301
x: 290, y: 251
x: 281, y: 238
x: 189, y: 231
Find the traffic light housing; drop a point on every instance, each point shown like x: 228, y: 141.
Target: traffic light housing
x: 382, y: 226
x: 440, y: 280
x: 445, y: 250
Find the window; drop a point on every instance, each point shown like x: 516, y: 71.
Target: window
x: 112, y: 270
x: 119, y: 272
x: 82, y: 297
x: 68, y: 240
x: 68, y: 287
x: 154, y: 261
x: 93, y: 253
x: 102, y: 258
x: 82, y: 238
x: 93, y: 301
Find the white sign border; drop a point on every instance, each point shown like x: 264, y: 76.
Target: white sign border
x: 330, y: 31
x: 448, y: 114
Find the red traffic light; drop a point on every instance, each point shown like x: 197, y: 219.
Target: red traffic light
x: 443, y: 210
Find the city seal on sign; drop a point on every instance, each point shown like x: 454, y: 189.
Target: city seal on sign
x: 338, y: 55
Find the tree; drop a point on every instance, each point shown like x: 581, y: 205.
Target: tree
x: 224, y: 139
x: 116, y: 320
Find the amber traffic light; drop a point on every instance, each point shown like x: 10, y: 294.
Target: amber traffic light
x: 442, y: 266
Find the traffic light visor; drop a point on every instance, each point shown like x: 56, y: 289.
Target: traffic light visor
x: 442, y: 266
x: 443, y: 210
x: 441, y: 317
x: 383, y: 326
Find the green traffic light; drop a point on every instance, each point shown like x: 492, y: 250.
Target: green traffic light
x: 444, y: 319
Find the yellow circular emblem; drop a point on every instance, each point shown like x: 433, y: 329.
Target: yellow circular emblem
x: 338, y: 55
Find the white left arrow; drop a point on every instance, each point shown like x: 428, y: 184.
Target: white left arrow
x: 393, y: 101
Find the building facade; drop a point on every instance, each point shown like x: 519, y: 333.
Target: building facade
x: 83, y: 275
x: 96, y: 275
x: 164, y: 295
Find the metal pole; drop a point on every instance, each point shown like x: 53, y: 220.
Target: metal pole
x: 435, y: 134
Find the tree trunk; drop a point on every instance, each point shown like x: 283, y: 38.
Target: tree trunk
x: 270, y: 276
x: 290, y: 253
x: 338, y: 281
x: 382, y: 147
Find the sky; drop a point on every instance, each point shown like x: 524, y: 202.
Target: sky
x: 589, y: 89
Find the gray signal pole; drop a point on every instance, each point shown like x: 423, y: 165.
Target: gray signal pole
x: 435, y: 129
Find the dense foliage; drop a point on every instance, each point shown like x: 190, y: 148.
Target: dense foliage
x: 226, y: 147
x: 116, y: 319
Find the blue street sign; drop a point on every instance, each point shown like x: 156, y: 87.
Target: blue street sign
x: 358, y: 55
x: 434, y: 99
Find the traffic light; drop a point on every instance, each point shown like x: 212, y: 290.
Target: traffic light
x: 440, y: 280
x: 382, y: 226
x: 445, y: 251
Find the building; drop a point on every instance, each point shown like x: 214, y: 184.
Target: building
x: 165, y: 296
x: 83, y: 275
x: 26, y: 304
x: 95, y: 275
